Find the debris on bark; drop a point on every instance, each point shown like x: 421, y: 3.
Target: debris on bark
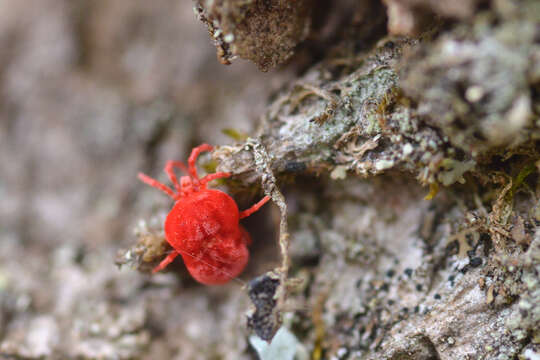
x: 265, y: 320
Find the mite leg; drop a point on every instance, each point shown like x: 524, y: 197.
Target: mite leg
x: 154, y: 183
x: 193, y: 157
x: 169, y: 169
x: 214, y: 176
x: 254, y: 208
x: 163, y: 264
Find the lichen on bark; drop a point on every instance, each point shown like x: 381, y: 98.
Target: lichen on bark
x: 405, y: 172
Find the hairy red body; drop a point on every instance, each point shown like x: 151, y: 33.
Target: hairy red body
x: 203, y: 225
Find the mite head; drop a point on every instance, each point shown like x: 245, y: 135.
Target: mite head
x: 188, y: 183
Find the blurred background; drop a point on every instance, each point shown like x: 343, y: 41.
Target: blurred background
x: 91, y: 93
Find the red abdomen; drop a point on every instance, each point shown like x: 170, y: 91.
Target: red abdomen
x: 204, y: 228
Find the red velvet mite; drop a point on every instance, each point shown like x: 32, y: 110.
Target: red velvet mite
x: 203, y: 225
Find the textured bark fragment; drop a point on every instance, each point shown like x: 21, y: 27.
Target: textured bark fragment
x: 477, y: 83
x: 358, y: 122
x: 265, y: 319
x: 262, y: 31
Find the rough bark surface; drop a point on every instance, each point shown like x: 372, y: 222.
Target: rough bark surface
x: 404, y: 173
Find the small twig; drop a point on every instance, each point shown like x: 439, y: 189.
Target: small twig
x: 263, y: 167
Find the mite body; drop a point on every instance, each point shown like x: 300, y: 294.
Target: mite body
x: 203, y: 225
